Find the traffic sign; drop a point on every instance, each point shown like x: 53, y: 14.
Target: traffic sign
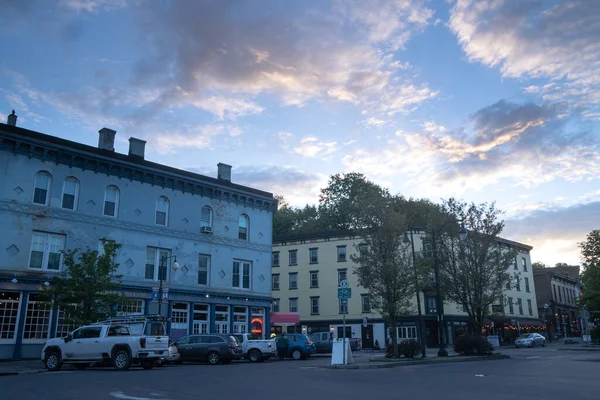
x: 344, y: 293
x: 344, y: 283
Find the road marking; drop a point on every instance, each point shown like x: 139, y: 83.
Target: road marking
x: 121, y: 395
x: 480, y: 375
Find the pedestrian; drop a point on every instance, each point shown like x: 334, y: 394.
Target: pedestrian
x: 282, y: 344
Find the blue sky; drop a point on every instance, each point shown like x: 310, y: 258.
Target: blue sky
x: 481, y: 100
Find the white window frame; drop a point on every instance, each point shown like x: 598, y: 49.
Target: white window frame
x: 511, y: 306
x: 275, y: 282
x: 201, y: 325
x: 241, y: 274
x: 520, y: 305
x: 117, y: 195
x: 407, y: 332
x: 341, y: 272
x: 203, y: 221
x: 362, y: 303
x: 341, y: 251
x: 293, y: 301
x: 158, y: 254
x: 527, y: 288
x: 295, y: 252
x: 10, y: 310
x: 47, y: 188
x: 163, y: 206
x: 295, y: 275
x: 312, y: 305
x: 63, y: 328
x: 310, y: 276
x: 530, y: 307
x: 222, y: 326
x: 316, y: 256
x: 180, y: 314
x: 38, y: 321
x: 75, y: 193
x: 275, y: 256
x: 131, y: 307
x: 244, y: 224
x: 275, y: 305
x: 47, y: 243
x: 240, y: 319
x: 208, y: 260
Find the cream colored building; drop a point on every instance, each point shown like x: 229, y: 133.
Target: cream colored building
x: 307, y: 270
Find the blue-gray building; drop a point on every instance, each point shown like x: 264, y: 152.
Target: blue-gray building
x: 57, y: 194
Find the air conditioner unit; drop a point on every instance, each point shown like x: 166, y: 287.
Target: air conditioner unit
x: 206, y: 229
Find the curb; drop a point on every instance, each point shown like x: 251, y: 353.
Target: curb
x: 403, y: 363
x: 11, y: 373
x: 580, y: 349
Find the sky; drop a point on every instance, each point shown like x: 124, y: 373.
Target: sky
x: 486, y: 101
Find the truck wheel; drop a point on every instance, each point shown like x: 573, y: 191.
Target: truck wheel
x: 52, y: 361
x: 254, y: 356
x: 213, y: 358
x: 297, y: 354
x: 122, y: 360
x: 147, y: 364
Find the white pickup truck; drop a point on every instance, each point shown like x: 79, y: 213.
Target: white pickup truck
x: 256, y: 350
x: 120, y: 342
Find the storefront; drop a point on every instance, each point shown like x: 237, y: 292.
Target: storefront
x: 285, y: 322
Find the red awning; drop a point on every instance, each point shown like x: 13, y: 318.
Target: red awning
x: 285, y: 318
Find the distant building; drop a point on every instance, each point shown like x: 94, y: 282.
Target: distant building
x: 308, y: 268
x: 56, y: 194
x: 557, y: 291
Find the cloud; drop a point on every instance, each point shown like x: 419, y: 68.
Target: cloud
x: 556, y: 40
x: 200, y: 137
x: 314, y: 148
x: 92, y: 6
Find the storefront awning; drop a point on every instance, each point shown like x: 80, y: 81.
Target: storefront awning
x: 285, y: 319
x: 507, y: 321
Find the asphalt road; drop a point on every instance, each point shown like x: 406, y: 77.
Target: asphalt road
x: 532, y: 374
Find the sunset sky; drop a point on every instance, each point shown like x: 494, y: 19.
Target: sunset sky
x: 480, y: 100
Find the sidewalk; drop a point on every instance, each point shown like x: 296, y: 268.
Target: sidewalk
x: 21, y: 367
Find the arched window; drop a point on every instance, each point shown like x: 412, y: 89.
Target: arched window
x: 111, y: 201
x: 41, y: 191
x: 244, y: 227
x: 70, y: 193
x: 206, y: 216
x: 162, y: 211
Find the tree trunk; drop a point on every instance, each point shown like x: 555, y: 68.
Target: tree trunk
x: 393, y: 334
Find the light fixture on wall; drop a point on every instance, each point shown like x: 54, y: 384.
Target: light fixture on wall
x: 46, y: 283
x: 14, y: 280
x: 207, y: 296
x: 227, y: 297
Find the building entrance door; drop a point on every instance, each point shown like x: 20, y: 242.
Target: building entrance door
x: 367, y: 336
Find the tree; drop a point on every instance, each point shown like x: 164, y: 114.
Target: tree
x: 474, y: 271
x: 86, y: 290
x: 538, y: 265
x: 385, y: 268
x: 590, y: 257
x: 293, y: 220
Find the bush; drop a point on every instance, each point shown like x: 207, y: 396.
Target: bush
x: 376, y: 346
x: 406, y: 348
x: 469, y: 345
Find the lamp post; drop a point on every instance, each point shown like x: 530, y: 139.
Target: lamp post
x: 162, y: 271
x: 442, y: 352
x: 421, y: 332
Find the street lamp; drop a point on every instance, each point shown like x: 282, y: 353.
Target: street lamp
x: 162, y: 271
x: 406, y: 241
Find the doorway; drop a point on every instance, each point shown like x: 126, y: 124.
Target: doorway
x: 367, y: 336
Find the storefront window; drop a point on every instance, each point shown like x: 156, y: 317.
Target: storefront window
x: 9, y: 311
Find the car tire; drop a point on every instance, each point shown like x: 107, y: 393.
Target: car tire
x: 533, y: 344
x: 52, y: 361
x: 214, y: 358
x: 296, y: 354
x: 544, y: 343
x: 147, y: 364
x: 254, y: 356
x: 122, y: 360
x: 80, y: 367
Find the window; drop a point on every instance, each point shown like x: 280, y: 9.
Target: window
x: 363, y: 250
x: 293, y: 257
x: 241, y: 274
x: 314, y: 306
x: 244, y: 225
x: 156, y: 263
x: 201, y: 319
x: 46, y: 251
x: 162, y: 211
x: 87, y: 333
x: 9, y: 312
x: 496, y: 308
x: 520, y: 304
x: 240, y: 320
x: 111, y: 201
x: 524, y: 264
x: 41, y: 190
x: 511, y: 309
x: 515, y: 267
x: 529, y: 307
x: 313, y: 256
x: 222, y: 319
x: 343, y: 306
x: 275, y: 259
x: 559, y: 295
x: 341, y: 253
x: 294, y: 304
x: 366, y: 303
x: 518, y: 280
x: 342, y: 275
x: 70, y: 193
x: 275, y: 282
x: 130, y: 307
x: 526, y: 284
x: 406, y: 332
x: 314, y: 279
x: 203, y: 268
x: 294, y: 280
x: 508, y: 286
x: 430, y: 305
x: 275, y: 305
x: 554, y: 290
x: 179, y: 316
x: 65, y: 325
x: 206, y: 217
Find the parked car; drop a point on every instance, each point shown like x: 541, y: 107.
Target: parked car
x: 214, y: 348
x: 256, y: 349
x: 171, y: 357
x: 299, y: 346
x: 324, y: 342
x: 530, y: 340
x: 121, y: 342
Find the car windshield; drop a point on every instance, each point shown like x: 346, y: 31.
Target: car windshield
x: 526, y: 336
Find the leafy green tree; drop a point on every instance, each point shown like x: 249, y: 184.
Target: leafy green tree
x: 539, y: 265
x: 293, y: 220
x: 474, y: 272
x: 590, y: 257
x: 87, y: 288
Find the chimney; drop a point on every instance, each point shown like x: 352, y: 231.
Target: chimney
x: 106, y: 140
x: 137, y: 147
x: 224, y: 172
x: 12, y: 119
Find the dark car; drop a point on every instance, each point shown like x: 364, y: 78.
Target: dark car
x: 299, y: 346
x: 324, y: 342
x: 214, y: 348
